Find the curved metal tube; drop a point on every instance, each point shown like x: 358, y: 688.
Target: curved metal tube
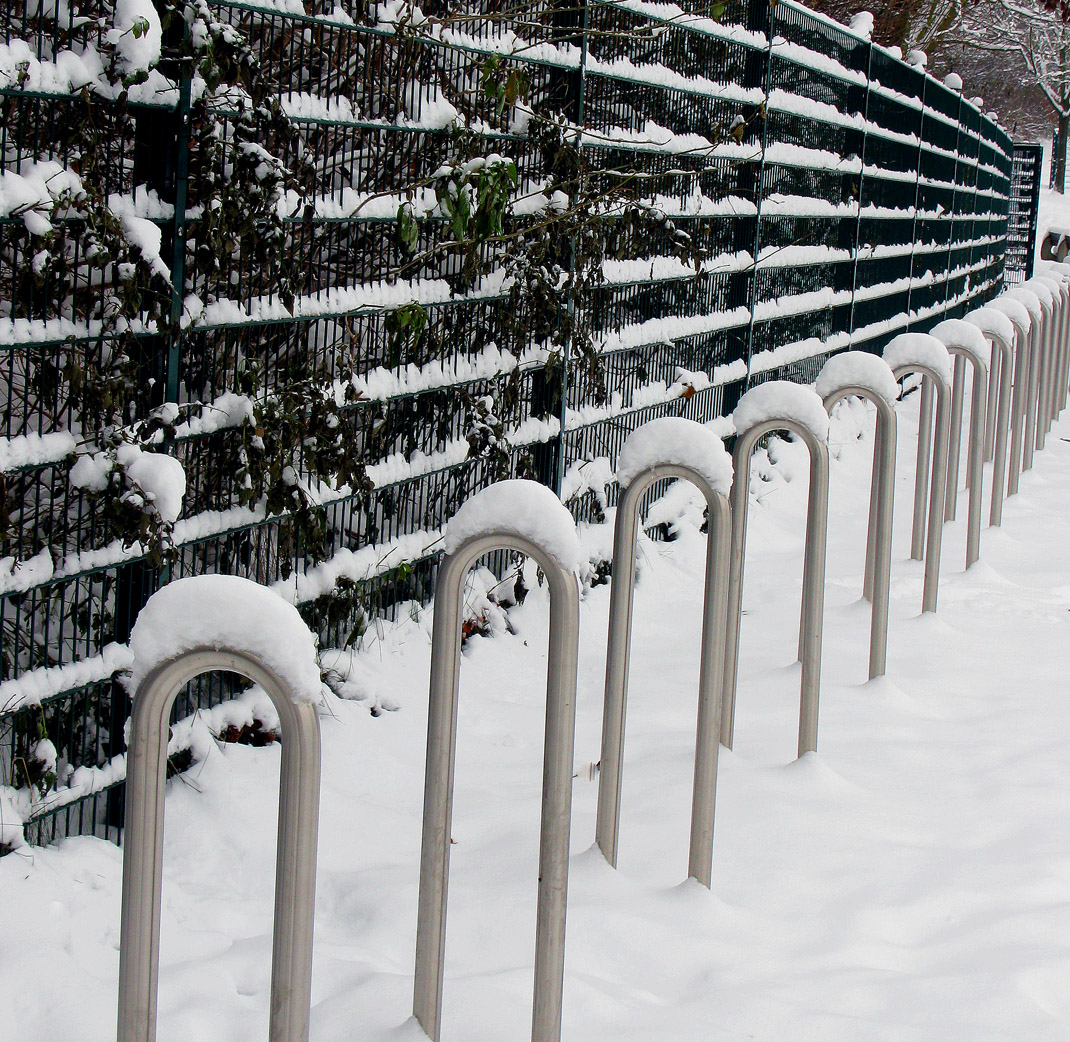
x: 295, y: 871
x: 938, y: 485
x: 1022, y: 352
x: 1055, y: 405
x: 954, y: 445
x: 1032, y: 390
x: 992, y: 406
x: 1044, y: 372
x: 879, y: 536
x: 1058, y: 402
x: 1061, y: 388
x: 1050, y: 363
x: 813, y: 584
x: 556, y: 784
x: 976, y: 447
x: 921, y: 471
x: 999, y: 422
x: 711, y: 667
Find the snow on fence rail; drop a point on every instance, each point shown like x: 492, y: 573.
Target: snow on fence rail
x: 800, y: 191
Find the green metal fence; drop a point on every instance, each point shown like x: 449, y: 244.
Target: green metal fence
x: 830, y: 195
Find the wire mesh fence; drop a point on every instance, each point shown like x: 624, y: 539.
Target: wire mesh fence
x: 1026, y: 174
x: 827, y: 195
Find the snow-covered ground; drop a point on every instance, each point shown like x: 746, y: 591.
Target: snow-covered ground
x: 910, y: 881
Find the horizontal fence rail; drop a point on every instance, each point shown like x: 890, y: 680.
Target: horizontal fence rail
x: 773, y: 189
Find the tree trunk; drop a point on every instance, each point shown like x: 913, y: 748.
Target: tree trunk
x: 1060, y: 152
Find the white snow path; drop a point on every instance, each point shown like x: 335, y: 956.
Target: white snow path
x: 908, y: 883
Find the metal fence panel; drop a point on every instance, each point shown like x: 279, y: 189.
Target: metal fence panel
x: 844, y: 196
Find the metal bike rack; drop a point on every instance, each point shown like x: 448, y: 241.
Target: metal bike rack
x: 862, y: 375
x: 924, y: 355
x: 1053, y: 363
x: 1049, y: 300
x: 1059, y: 391
x: 1022, y: 321
x: 1000, y: 333
x: 1062, y: 272
x: 295, y: 879
x: 752, y: 423
x: 490, y: 521
x: 965, y: 342
x: 669, y: 447
x: 1040, y: 313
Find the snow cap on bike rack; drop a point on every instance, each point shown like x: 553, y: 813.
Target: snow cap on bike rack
x: 1053, y: 282
x: 1026, y: 297
x: 519, y: 506
x: 1054, y: 269
x: 226, y: 613
x: 675, y: 440
x: 1038, y: 287
x: 992, y: 323
x: 956, y: 332
x: 782, y: 400
x: 919, y: 349
x: 857, y: 369
x: 1015, y: 310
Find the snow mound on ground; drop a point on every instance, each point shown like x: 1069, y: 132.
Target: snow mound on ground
x: 992, y: 323
x: 674, y: 439
x: 782, y: 400
x: 1027, y: 298
x: 911, y: 349
x: 1015, y: 310
x: 857, y: 369
x: 520, y: 507
x: 226, y: 613
x: 965, y: 336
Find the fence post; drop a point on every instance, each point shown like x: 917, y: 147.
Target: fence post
x: 917, y: 200
x: 161, y: 162
x: 952, y: 237
x: 861, y: 183
x: 757, y: 74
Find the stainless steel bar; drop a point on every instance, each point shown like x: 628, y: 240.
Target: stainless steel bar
x: 954, y: 449
x: 1000, y: 370
x: 978, y: 401
x: 1043, y: 391
x: 881, y: 503
x: 938, y: 484
x: 1022, y: 350
x: 295, y: 873
x: 711, y: 666
x: 1036, y: 354
x: 556, y: 789
x: 813, y: 597
x: 921, y: 472
x: 872, y: 524
x: 991, y: 410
